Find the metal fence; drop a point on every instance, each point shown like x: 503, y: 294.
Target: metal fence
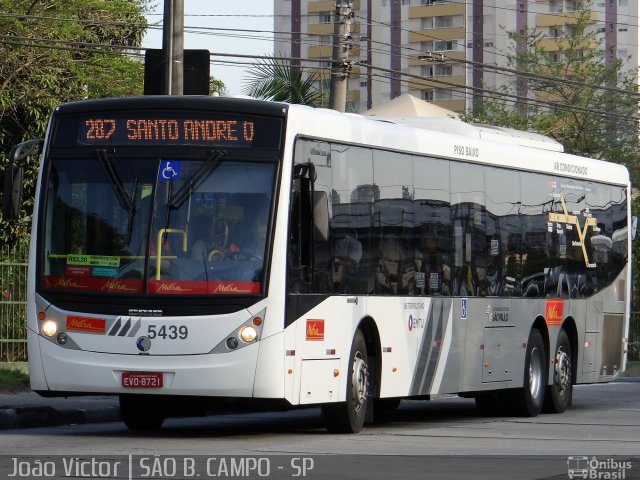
x: 13, y: 304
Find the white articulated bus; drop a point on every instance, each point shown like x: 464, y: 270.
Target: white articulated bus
x: 194, y: 249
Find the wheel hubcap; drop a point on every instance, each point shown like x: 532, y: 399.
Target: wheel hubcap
x: 535, y: 373
x: 359, y: 382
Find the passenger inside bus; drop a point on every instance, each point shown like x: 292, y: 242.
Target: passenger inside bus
x: 257, y: 238
x: 348, y: 252
x: 209, y: 239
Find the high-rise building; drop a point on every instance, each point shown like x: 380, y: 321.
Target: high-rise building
x: 396, y: 45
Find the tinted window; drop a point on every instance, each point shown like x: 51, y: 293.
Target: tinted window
x: 353, y: 196
x: 433, y: 225
x: 393, y: 219
x: 469, y: 228
x: 413, y: 225
x: 538, y: 252
x: 503, y: 252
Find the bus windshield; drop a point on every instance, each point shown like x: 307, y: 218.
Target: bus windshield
x: 156, y: 225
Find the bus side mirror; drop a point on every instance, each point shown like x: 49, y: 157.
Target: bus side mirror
x: 12, y: 194
x: 14, y: 177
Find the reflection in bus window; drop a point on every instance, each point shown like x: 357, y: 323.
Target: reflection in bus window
x: 426, y: 226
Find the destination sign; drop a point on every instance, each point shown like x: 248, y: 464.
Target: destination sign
x: 166, y: 128
x: 130, y: 131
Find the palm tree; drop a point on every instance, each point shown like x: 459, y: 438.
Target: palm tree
x: 280, y: 81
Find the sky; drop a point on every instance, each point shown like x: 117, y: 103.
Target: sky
x: 203, y: 22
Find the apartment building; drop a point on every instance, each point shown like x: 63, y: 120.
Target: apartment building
x: 435, y: 49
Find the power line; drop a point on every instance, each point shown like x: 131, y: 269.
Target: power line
x: 197, y: 29
x: 97, y: 48
x: 513, y: 71
x: 514, y: 97
x: 118, y: 50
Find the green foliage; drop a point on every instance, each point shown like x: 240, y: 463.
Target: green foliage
x: 578, y: 94
x: 55, y: 52
x: 280, y: 81
x: 13, y: 380
x: 217, y: 87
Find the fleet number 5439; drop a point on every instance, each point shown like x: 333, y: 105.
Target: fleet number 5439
x: 171, y: 332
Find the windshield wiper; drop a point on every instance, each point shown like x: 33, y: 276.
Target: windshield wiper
x: 125, y: 202
x: 132, y: 212
x: 208, y: 166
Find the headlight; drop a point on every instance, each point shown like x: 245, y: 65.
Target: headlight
x: 248, y: 334
x: 243, y: 335
x: 49, y: 328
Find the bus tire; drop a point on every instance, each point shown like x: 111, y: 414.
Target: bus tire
x: 348, y: 417
x: 141, y: 412
x: 528, y: 400
x: 559, y: 394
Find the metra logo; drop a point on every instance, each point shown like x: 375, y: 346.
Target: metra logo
x: 86, y: 324
x: 315, y: 330
x: 416, y: 322
x: 572, y: 220
x: 172, y: 287
x: 554, y: 312
x: 227, y: 288
x: 68, y: 283
x: 115, y: 286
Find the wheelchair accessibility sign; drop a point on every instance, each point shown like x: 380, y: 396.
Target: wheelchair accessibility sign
x: 170, y: 170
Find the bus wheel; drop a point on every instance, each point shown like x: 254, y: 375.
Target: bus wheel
x: 348, y: 417
x: 528, y: 400
x: 558, y: 395
x: 141, y: 412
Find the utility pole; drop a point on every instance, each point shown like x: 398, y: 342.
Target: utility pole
x: 340, y: 64
x: 173, y: 46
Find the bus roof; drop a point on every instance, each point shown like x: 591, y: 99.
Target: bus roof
x: 484, y: 132
x: 453, y: 139
x: 442, y: 137
x: 173, y: 102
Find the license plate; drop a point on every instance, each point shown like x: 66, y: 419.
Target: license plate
x: 142, y: 379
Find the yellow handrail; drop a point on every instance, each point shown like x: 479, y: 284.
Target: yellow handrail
x: 159, y: 245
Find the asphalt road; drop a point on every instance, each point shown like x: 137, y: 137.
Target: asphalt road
x: 445, y: 438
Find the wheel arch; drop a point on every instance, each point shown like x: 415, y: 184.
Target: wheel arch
x: 374, y: 350
x: 570, y: 327
x: 540, y: 325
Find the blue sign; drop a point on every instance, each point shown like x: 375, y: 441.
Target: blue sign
x: 170, y: 170
x: 463, y: 309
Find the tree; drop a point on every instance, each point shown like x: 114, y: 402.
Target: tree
x: 576, y: 93
x: 281, y: 81
x: 216, y: 87
x: 54, y: 52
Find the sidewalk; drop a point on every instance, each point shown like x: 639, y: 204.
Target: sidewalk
x: 28, y: 409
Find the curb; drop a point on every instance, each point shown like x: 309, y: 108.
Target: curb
x: 626, y: 379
